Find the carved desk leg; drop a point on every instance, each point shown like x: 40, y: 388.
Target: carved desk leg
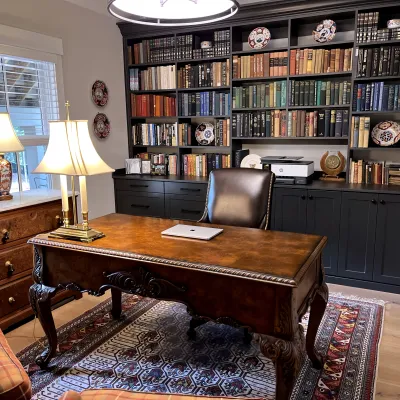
x: 286, y: 356
x: 40, y: 298
x: 116, y: 309
x: 317, y: 311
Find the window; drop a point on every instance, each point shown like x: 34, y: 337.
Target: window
x: 28, y: 92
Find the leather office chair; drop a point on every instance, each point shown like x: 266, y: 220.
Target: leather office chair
x: 238, y: 197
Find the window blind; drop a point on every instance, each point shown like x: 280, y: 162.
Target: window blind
x: 28, y: 91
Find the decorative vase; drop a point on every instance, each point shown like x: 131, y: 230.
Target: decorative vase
x: 5, y: 178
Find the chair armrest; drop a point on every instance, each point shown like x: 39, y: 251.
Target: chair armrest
x: 71, y: 395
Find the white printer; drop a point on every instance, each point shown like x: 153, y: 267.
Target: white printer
x: 289, y: 170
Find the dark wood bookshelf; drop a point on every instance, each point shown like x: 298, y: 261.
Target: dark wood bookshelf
x: 340, y: 106
x: 203, y: 59
x: 377, y: 78
x: 375, y: 148
x: 153, y: 91
x: 152, y: 64
x: 204, y: 89
x: 264, y: 50
x: 375, y: 112
x: 163, y: 118
x: 324, y: 74
x: 259, y: 79
x: 291, y: 138
x: 379, y: 43
x: 258, y: 109
x: 333, y: 43
x: 203, y: 116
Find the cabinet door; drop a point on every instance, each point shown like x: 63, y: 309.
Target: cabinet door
x: 290, y: 209
x: 357, y: 235
x: 184, y: 207
x: 151, y: 205
x: 323, y: 216
x: 386, y: 261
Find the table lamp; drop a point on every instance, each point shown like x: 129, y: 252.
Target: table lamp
x: 9, y: 143
x: 71, y: 152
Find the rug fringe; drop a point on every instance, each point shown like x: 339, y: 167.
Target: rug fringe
x: 341, y: 295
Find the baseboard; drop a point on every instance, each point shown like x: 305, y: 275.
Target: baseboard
x: 382, y: 287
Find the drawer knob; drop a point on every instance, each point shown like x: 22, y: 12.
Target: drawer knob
x: 10, y: 268
x: 11, y: 300
x: 5, y: 234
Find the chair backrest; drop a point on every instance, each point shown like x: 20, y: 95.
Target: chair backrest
x: 239, y: 197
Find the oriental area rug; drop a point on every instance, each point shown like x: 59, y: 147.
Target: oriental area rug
x: 148, y: 351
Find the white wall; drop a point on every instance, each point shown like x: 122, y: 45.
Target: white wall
x: 92, y: 50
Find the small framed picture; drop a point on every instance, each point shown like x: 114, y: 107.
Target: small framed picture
x: 133, y: 166
x: 159, y: 169
x: 146, y: 167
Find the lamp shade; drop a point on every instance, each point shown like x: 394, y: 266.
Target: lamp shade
x: 9, y: 141
x: 71, y: 151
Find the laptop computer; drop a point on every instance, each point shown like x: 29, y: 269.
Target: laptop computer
x: 192, y: 232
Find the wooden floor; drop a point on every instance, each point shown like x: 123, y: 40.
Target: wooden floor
x: 388, y: 382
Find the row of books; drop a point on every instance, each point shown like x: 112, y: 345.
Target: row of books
x: 316, y: 61
x: 376, y: 96
x: 204, y: 104
x: 359, y: 131
x: 154, y: 134
x: 378, y: 61
x: 153, y: 78
x: 367, y: 26
x: 169, y: 162
x: 296, y: 123
x: 260, y: 65
x: 319, y: 93
x: 392, y: 173
x: 150, y: 105
x: 367, y: 172
x: 272, y: 94
x: 203, y: 164
x: 152, y: 50
x: 204, y: 75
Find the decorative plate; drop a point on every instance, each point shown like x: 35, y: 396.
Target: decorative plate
x: 259, y: 38
x: 251, y: 161
x: 325, y: 31
x: 100, y: 93
x: 386, y: 133
x: 101, y: 126
x: 205, y: 133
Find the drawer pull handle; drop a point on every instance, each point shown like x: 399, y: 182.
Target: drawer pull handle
x: 383, y: 202
x: 10, y: 268
x: 11, y: 300
x: 140, y: 186
x: 373, y: 201
x: 190, y: 211
x: 139, y: 206
x: 6, y: 235
x: 190, y: 190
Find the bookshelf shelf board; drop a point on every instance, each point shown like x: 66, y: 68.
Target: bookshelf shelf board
x: 327, y: 44
x: 206, y: 147
x: 265, y: 78
x: 152, y: 145
x: 257, y: 109
x: 203, y: 116
x: 378, y: 43
x: 324, y: 74
x: 375, y: 148
x: 204, y: 59
x: 204, y: 89
x: 377, y: 78
x: 155, y: 118
x: 153, y: 91
x: 375, y: 112
x: 319, y: 107
x: 152, y: 64
x: 265, y: 50
x: 291, y: 138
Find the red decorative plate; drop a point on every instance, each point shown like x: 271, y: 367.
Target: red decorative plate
x: 259, y: 38
x: 101, y: 126
x: 100, y: 93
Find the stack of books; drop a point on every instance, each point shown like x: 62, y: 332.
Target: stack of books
x: 367, y: 172
x: 154, y: 78
x: 153, y: 50
x: 376, y: 96
x: 378, y: 61
x: 319, y: 93
x: 185, y: 45
x: 260, y: 65
x: 367, y: 26
x: 150, y: 105
x: 185, y: 134
x: 393, y: 174
x: 204, y: 104
x: 204, y: 75
x: 203, y: 164
x: 316, y: 61
x: 359, y: 132
x: 222, y: 42
x: 154, y: 134
x: 272, y: 94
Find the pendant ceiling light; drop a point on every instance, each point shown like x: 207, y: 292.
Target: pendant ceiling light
x: 173, y: 12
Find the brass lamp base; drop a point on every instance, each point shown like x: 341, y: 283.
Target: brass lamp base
x: 6, y: 197
x: 77, y: 233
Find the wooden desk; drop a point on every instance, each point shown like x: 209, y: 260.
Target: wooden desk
x: 251, y: 278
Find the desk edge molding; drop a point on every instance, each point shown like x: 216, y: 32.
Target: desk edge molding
x: 215, y: 269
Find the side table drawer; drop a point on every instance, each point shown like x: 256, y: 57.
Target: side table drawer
x: 16, y: 260
x: 14, y: 296
x: 190, y: 189
x: 151, y: 205
x: 138, y: 185
x: 185, y: 209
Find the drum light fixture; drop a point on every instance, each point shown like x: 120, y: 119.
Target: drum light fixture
x: 173, y: 12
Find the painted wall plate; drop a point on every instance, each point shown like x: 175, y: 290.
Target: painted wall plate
x: 100, y: 94
x: 259, y: 38
x: 101, y: 126
x: 325, y: 31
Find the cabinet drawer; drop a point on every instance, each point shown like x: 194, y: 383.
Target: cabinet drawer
x: 192, y: 189
x: 186, y: 209
x: 29, y: 222
x: 138, y: 185
x: 16, y: 260
x: 151, y: 205
x: 14, y: 296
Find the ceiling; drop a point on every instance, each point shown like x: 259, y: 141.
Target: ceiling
x: 100, y: 6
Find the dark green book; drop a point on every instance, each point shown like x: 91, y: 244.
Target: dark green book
x: 323, y: 93
x: 301, y: 97
x: 268, y: 123
x: 337, y: 93
x: 307, y: 93
x: 297, y: 93
x: 312, y: 100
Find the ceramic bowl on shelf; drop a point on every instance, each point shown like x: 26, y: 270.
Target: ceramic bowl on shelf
x: 325, y: 31
x: 386, y: 133
x: 206, y: 44
x: 393, y: 23
x: 259, y: 38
